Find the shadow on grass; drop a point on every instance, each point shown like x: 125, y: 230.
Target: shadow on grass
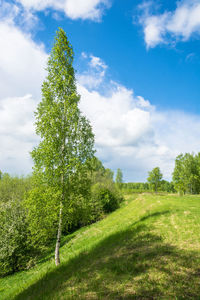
x: 131, y: 264
x: 153, y: 215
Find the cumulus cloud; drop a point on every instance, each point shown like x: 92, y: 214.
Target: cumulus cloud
x: 21, y: 63
x: 118, y: 119
x: 74, y: 9
x: 180, y: 24
x: 21, y: 74
x: 130, y: 133
x: 94, y: 72
x: 17, y: 134
x: 14, y: 14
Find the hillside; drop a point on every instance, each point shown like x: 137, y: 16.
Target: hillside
x: 147, y: 249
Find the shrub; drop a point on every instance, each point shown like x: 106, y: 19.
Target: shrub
x: 105, y: 199
x: 14, y: 247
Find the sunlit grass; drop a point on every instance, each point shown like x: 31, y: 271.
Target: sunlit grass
x: 148, y: 249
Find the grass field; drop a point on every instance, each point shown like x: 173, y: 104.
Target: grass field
x: 148, y: 249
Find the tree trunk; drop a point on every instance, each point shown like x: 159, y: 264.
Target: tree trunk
x: 57, y: 250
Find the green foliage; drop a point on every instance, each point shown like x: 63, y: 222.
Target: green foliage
x: 105, y: 195
x: 167, y: 186
x: 142, y: 187
x: 14, y: 247
x: 119, y: 178
x: 14, y: 187
x: 154, y: 179
x: 78, y: 210
x: 186, y: 174
x: 107, y: 198
x: 98, y: 173
x: 42, y: 206
x: 135, y: 187
x: 15, y: 250
x: 67, y: 138
x: 62, y: 184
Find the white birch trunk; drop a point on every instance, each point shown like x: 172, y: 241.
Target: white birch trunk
x: 57, y: 250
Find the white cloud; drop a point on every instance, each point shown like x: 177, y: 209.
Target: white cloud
x: 180, y: 24
x: 154, y: 30
x: 8, y: 11
x: 14, y: 14
x: 133, y: 135
x: 22, y: 63
x: 17, y: 134
x: 94, y: 75
x: 118, y: 119
x: 130, y: 132
x: 74, y: 9
x: 97, y: 62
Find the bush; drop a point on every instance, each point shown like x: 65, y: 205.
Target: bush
x: 109, y: 200
x: 14, y: 247
x: 15, y: 250
x: 105, y: 199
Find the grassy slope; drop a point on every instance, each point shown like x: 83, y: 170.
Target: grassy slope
x: 148, y: 249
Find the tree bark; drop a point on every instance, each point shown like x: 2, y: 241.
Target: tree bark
x: 57, y: 250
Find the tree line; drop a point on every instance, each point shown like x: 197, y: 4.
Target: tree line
x: 185, y: 178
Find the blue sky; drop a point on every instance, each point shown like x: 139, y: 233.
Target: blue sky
x: 168, y: 75
x: 138, y: 72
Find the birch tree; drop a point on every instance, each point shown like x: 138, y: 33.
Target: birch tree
x: 67, y: 140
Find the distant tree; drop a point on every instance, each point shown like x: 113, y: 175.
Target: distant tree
x: 119, y: 178
x: 167, y: 186
x: 178, y: 174
x: 0, y: 174
x: 97, y: 170
x: 154, y: 179
x: 186, y: 174
x: 14, y: 187
x: 66, y: 143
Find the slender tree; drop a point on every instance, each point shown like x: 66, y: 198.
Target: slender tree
x: 67, y: 140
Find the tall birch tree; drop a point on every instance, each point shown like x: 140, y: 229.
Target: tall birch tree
x: 67, y: 140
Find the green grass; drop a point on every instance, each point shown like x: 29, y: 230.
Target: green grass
x: 148, y: 249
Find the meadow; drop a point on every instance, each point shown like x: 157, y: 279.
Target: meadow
x: 147, y: 249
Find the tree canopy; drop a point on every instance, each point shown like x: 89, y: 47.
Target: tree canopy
x: 154, y: 178
x: 186, y: 174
